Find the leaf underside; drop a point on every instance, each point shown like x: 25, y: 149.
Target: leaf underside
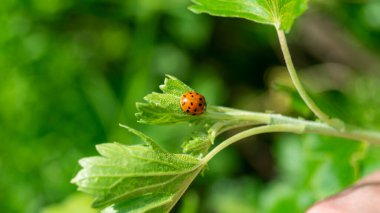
x: 136, y: 178
x: 279, y: 13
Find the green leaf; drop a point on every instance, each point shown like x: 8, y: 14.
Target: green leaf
x: 310, y: 168
x: 197, y: 144
x: 164, y: 108
x: 148, y: 140
x: 371, y: 160
x: 335, y: 163
x: 174, y: 86
x: 279, y: 13
x: 200, y: 141
x: 136, y: 177
x: 234, y: 195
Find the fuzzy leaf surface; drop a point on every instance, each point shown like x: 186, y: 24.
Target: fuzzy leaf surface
x: 136, y: 178
x: 197, y: 145
x: 164, y: 108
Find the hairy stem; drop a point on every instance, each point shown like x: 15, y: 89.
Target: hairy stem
x: 280, y: 123
x: 258, y: 118
x: 298, y: 85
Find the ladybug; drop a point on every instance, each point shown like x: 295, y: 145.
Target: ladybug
x: 193, y: 103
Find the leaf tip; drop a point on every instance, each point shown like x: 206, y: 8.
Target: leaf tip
x: 171, y: 77
x: 194, y: 9
x: 74, y: 180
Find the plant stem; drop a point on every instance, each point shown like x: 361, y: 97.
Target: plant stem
x: 225, y: 113
x: 298, y: 85
x: 258, y: 118
x: 280, y: 123
x: 250, y: 132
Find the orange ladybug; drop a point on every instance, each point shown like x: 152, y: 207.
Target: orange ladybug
x: 193, y: 103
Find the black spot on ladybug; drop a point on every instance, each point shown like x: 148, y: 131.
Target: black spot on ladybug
x: 187, y: 111
x: 195, y: 110
x: 191, y: 103
x: 188, y: 107
x: 200, y: 105
x: 200, y: 99
x: 192, y: 96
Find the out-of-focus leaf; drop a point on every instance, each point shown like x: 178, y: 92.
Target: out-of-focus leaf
x: 279, y: 197
x: 77, y: 202
x: 190, y: 202
x: 371, y: 160
x: 335, y: 163
x: 230, y: 196
x: 312, y: 167
x: 279, y: 13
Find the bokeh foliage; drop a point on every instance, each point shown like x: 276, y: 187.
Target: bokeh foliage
x: 70, y: 71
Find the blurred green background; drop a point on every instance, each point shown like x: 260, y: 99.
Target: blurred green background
x: 71, y: 71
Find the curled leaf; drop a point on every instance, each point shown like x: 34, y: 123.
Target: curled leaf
x: 197, y: 144
x: 164, y: 108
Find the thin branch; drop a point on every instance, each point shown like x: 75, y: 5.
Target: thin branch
x: 298, y: 85
x: 260, y: 118
x: 250, y: 132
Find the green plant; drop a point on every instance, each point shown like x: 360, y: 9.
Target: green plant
x: 146, y: 178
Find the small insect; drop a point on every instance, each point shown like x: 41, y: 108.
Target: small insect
x: 193, y: 103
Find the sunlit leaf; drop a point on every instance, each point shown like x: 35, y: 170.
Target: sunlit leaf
x: 279, y: 13
x: 164, y: 108
x: 137, y: 177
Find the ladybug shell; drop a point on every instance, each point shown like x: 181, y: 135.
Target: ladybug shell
x: 193, y: 103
